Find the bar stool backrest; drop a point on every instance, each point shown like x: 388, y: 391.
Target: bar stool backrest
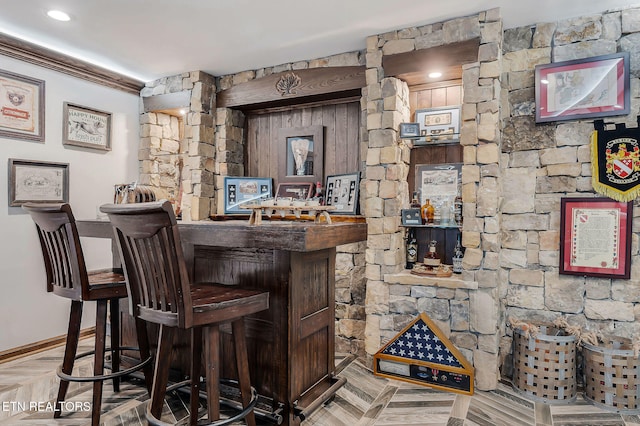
x: 149, y: 247
x: 61, y: 249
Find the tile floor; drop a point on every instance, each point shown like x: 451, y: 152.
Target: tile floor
x: 365, y: 400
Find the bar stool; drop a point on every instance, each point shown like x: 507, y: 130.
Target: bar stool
x: 67, y: 276
x: 161, y: 292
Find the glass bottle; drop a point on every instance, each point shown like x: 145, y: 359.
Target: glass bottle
x: 415, y: 204
x: 427, y: 212
x: 318, y: 195
x: 412, y: 249
x: 457, y: 257
x: 457, y: 207
x: 431, y: 258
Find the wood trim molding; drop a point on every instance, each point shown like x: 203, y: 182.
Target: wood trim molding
x: 294, y: 87
x: 46, y: 58
x: 40, y: 346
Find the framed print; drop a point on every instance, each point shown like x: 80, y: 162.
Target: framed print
x: 583, y: 88
x: 440, y: 184
x: 411, y: 217
x: 37, y: 181
x: 301, y: 154
x: 439, y: 125
x: 245, y: 190
x: 409, y: 130
x: 297, y: 191
x: 21, y: 107
x: 89, y: 128
x: 595, y: 237
x: 342, y: 193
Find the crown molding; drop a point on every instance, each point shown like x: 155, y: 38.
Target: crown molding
x: 46, y: 58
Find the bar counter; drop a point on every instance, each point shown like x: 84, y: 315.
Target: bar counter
x: 291, y: 345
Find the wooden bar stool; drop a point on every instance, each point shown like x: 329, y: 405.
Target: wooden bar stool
x: 67, y: 276
x: 158, y: 282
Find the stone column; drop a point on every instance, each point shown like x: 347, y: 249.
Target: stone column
x: 229, y: 150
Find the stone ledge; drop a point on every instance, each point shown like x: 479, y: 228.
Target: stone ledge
x: 407, y: 278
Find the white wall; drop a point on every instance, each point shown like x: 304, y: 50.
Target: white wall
x: 27, y: 312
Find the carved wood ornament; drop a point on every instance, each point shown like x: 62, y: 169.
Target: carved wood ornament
x: 288, y: 83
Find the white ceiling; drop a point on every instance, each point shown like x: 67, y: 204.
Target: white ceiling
x: 148, y: 39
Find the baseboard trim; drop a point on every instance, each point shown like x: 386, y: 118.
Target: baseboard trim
x: 40, y: 346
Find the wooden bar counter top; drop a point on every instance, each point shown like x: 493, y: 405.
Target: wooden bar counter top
x: 291, y: 345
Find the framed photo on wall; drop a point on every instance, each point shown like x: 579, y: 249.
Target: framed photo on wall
x: 301, y: 154
x: 245, y: 190
x: 440, y: 184
x: 21, y: 107
x: 595, y: 237
x: 86, y: 127
x: 342, y: 192
x: 583, y: 88
x: 438, y: 125
x: 37, y: 181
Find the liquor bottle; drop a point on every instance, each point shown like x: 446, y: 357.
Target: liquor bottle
x: 457, y: 207
x: 427, y: 212
x: 431, y: 258
x: 318, y: 195
x: 412, y: 249
x: 415, y: 204
x: 457, y: 257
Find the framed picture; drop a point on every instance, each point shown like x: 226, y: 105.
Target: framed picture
x: 595, y: 237
x: 342, y: 192
x: 297, y: 190
x: 583, y: 88
x: 86, y: 127
x: 439, y: 125
x: 21, y: 107
x: 409, y: 130
x: 411, y: 217
x: 440, y: 184
x: 37, y: 181
x: 301, y: 155
x: 245, y: 190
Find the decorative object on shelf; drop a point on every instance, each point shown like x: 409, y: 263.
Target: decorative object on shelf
x: 440, y: 271
x: 435, y: 361
x: 415, y: 203
x: 411, y: 217
x: 245, y: 190
x: 342, y: 192
x: 457, y: 258
x: 457, y: 205
x: 438, y: 125
x: 319, y: 194
x: 583, y: 88
x: 269, y: 209
x: 86, y: 127
x: 288, y: 83
x: 440, y: 183
x: 427, y: 211
x: 37, y: 181
x: 295, y: 190
x: 615, y: 161
x: 412, y: 248
x: 301, y: 157
x: 21, y: 107
x: 431, y: 258
x: 133, y: 193
x: 595, y: 237
x: 409, y: 130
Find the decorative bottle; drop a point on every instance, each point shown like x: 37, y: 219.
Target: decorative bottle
x: 415, y: 204
x: 457, y: 207
x: 431, y: 258
x: 412, y: 249
x: 457, y: 258
x: 428, y: 212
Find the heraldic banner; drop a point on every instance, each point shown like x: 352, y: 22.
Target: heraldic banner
x: 615, y: 161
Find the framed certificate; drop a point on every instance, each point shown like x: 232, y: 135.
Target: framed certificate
x: 595, y: 237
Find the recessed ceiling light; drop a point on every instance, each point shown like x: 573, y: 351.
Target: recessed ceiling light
x: 58, y: 15
x: 435, y: 74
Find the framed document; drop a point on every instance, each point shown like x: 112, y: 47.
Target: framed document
x: 595, y: 237
x: 37, y: 181
x: 245, y: 190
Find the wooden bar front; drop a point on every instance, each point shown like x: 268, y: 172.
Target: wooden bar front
x: 291, y: 346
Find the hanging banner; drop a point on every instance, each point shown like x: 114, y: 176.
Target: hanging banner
x: 615, y: 161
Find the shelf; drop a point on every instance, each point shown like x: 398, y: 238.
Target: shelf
x: 434, y: 226
x: 407, y: 278
x: 432, y: 141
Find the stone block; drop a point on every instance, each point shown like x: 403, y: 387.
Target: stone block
x: 543, y: 35
x: 563, y: 293
x: 608, y: 310
x: 483, y: 308
x: 574, y: 133
x: 564, y: 184
x: 522, y: 60
x: 372, y: 334
x: 488, y: 153
x: 585, y: 49
x: 392, y: 119
x: 598, y: 289
x: 398, y: 46
x: 519, y: 187
x: 522, y: 134
x: 469, y: 155
x: 461, y: 29
x: 525, y: 297
x: 200, y: 208
x: 567, y: 169
x: 432, y: 39
x: 612, y: 26
x: 470, y: 239
x: 472, y: 258
x: 578, y: 29
x: 517, y: 39
x: 390, y: 154
x: 459, y: 315
x: 510, y: 258
x: 487, y: 278
x: 491, y: 32
x: 438, y: 309
x: 526, y: 277
x: 382, y: 138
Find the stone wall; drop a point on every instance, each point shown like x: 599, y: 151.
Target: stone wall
x: 544, y: 162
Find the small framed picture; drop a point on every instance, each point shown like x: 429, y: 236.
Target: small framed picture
x: 21, y: 107
x: 342, y: 192
x: 86, y: 127
x: 297, y: 191
x: 245, y: 190
x: 411, y: 217
x: 302, y: 151
x: 409, y: 130
x: 37, y: 181
x: 439, y: 125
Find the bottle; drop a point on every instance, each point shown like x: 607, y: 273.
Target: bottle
x: 412, y: 249
x: 318, y: 195
x: 431, y: 258
x: 427, y: 212
x: 415, y: 204
x: 437, y: 215
x: 457, y: 207
x: 457, y: 257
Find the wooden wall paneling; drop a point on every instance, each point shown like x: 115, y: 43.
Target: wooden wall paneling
x: 439, y: 97
x: 353, y: 138
x: 454, y: 95
x: 275, y: 123
x: 329, y: 122
x: 341, y: 139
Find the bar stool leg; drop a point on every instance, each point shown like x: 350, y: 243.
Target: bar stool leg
x: 145, y: 353
x: 114, y: 316
x: 161, y: 373
x: 196, y: 365
x: 98, y: 361
x: 242, y: 363
x: 71, y: 347
x: 212, y: 359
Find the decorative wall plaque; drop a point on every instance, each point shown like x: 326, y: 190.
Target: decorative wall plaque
x: 288, y: 83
